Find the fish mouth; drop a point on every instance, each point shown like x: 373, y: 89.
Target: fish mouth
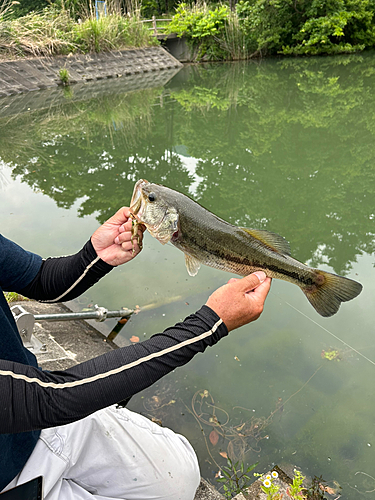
x: 137, y: 198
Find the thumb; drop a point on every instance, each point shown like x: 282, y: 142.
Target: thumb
x: 120, y: 217
x: 250, y: 282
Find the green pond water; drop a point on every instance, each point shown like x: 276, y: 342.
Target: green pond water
x: 285, y: 145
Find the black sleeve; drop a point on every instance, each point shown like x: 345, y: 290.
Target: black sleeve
x: 64, y: 278
x: 32, y: 399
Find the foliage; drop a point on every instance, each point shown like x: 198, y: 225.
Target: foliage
x: 157, y: 8
x: 296, y: 490
x: 7, y: 9
x: 13, y: 297
x: 35, y: 34
x: 318, y: 488
x: 268, y: 24
x: 106, y: 33
x: 301, y: 27
x: 337, y: 26
x: 269, y: 487
x: 235, y: 478
x: 64, y: 76
x: 54, y: 31
x: 24, y: 7
x: 202, y: 27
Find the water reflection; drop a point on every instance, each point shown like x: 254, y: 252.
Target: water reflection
x: 282, y: 146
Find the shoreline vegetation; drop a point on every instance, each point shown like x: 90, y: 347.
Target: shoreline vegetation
x: 215, y: 32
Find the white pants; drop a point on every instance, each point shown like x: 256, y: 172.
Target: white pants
x: 113, y: 454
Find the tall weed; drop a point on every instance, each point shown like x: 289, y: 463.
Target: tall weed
x: 111, y: 32
x: 53, y: 31
x: 42, y: 34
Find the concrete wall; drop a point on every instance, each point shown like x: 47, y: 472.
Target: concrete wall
x: 48, y: 98
x: 177, y: 47
x: 25, y: 75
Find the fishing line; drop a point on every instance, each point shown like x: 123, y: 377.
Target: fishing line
x: 333, y: 335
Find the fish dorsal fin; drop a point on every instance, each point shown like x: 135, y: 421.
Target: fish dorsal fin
x: 192, y: 264
x: 272, y: 240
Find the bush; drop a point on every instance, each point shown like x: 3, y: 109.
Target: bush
x: 342, y: 26
x: 308, y: 27
x: 202, y: 28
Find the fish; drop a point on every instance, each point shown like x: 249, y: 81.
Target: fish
x: 204, y: 238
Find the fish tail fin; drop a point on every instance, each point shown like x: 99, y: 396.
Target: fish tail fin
x: 329, y: 290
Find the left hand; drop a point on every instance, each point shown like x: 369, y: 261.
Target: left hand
x: 112, y: 241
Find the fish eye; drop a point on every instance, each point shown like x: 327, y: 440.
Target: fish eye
x: 152, y: 197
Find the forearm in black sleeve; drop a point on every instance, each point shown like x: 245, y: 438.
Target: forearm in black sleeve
x: 64, y: 278
x: 32, y: 399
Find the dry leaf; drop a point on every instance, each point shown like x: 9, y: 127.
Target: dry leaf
x: 134, y: 339
x: 327, y: 489
x: 213, y: 437
x: 223, y: 454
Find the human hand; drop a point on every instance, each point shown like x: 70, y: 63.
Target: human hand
x: 113, y: 240
x: 240, y: 301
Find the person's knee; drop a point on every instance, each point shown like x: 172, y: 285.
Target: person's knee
x: 182, y: 470
x: 183, y: 483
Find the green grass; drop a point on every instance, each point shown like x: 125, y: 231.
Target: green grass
x: 13, y: 297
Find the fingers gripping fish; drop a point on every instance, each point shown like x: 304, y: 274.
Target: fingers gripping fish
x: 206, y: 239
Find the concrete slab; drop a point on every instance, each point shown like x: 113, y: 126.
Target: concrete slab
x: 36, y: 73
x: 48, y: 98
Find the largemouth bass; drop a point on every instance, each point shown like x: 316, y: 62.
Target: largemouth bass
x: 204, y: 238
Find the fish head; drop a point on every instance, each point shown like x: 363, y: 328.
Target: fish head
x: 150, y: 205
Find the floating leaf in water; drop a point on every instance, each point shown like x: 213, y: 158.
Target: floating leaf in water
x: 331, y: 355
x: 134, y: 339
x: 213, y: 437
x: 223, y: 454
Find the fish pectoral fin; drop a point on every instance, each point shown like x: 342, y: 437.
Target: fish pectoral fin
x: 192, y: 264
x: 272, y: 240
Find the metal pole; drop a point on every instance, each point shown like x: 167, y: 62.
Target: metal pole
x: 99, y: 314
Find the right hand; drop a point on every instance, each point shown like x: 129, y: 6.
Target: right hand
x: 240, y: 301
x: 113, y: 240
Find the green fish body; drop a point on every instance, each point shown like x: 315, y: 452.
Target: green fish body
x: 206, y: 239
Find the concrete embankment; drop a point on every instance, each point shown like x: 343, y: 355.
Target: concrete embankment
x: 24, y: 75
